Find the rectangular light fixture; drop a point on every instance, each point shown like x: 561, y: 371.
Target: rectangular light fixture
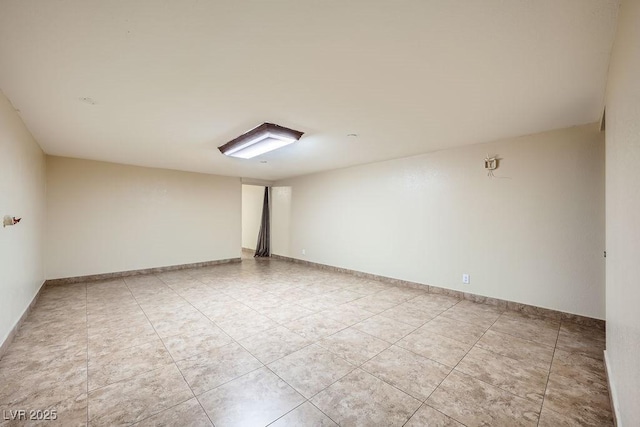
x: 259, y: 140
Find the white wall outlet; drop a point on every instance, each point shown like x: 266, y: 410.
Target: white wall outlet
x: 304, y: 252
x: 465, y: 279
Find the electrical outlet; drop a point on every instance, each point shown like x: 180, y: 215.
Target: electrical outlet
x: 465, y: 279
x: 304, y: 252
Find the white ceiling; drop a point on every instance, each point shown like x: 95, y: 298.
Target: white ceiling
x: 172, y: 80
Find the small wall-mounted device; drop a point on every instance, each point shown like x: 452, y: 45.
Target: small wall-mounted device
x: 10, y: 220
x: 491, y: 164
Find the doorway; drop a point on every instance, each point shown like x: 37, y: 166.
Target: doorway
x: 252, y: 202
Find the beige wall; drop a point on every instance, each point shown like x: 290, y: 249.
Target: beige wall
x: 105, y: 217
x: 22, y: 194
x: 280, y: 220
x: 623, y: 217
x: 534, y: 235
x: 252, y: 199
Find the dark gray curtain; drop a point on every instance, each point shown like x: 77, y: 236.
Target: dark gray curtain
x: 263, y: 248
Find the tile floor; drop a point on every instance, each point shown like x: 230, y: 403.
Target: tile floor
x: 269, y: 342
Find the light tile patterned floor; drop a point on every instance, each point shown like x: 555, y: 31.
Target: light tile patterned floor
x: 272, y: 342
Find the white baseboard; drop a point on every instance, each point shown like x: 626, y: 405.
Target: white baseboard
x: 612, y: 391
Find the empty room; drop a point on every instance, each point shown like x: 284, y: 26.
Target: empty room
x: 320, y: 213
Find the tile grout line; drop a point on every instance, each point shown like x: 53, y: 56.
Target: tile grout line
x: 86, y: 302
x: 356, y: 366
x: 313, y: 343
x: 499, y: 354
x: 544, y: 393
x: 287, y: 413
x: 228, y: 381
x: 489, y: 384
x: 309, y: 345
x: 437, y: 410
x: 168, y: 352
x: 454, y: 368
x: 353, y: 325
x: 388, y: 383
x: 360, y: 366
x: 164, y: 410
x: 527, y: 339
x: 177, y: 367
x: 325, y: 414
x: 492, y: 385
x: 217, y: 386
x: 223, y: 331
x: 308, y: 399
x: 245, y: 349
x: 412, y: 414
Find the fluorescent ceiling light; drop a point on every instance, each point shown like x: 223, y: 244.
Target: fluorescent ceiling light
x: 259, y: 140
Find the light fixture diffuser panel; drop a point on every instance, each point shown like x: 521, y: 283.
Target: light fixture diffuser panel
x: 263, y: 146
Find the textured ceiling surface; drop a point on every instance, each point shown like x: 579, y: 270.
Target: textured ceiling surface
x: 163, y: 83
